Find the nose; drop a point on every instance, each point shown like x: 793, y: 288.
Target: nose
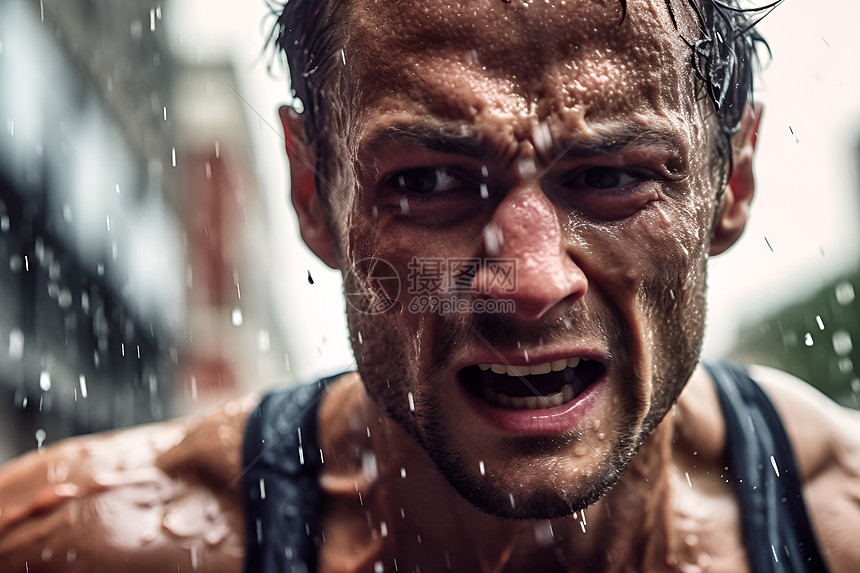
x: 524, y: 241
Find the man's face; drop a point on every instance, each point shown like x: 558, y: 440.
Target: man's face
x: 554, y: 141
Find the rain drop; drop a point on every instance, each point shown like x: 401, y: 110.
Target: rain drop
x: 82, y: 381
x: 236, y: 317
x: 844, y: 293
x: 411, y: 402
x: 16, y: 344
x: 45, y: 380
x: 842, y: 343
x: 481, y: 467
x: 807, y: 339
x: 543, y: 533
x: 40, y: 437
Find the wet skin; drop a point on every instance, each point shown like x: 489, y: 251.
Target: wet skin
x: 610, y: 239
x: 585, y: 133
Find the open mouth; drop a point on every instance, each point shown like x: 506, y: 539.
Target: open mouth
x: 533, y: 387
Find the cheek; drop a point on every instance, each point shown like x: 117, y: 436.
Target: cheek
x: 656, y: 258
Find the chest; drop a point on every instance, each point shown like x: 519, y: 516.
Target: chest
x: 702, y: 535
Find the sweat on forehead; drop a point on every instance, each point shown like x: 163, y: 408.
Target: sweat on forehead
x: 505, y: 68
x: 544, y: 55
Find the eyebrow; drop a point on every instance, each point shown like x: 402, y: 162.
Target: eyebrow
x: 594, y: 141
x: 601, y: 140
x: 444, y: 139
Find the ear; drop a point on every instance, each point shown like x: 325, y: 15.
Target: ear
x: 733, y: 211
x: 311, y: 212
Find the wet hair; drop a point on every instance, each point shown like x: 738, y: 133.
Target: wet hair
x: 723, y: 58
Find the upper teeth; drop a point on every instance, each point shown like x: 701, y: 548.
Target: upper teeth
x: 542, y: 368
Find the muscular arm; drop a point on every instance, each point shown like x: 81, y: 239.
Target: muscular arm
x: 162, y: 497
x: 826, y: 442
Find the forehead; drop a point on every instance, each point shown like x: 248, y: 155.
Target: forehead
x: 574, y: 60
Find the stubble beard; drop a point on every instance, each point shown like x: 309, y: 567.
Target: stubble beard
x: 388, y: 372
x: 390, y: 369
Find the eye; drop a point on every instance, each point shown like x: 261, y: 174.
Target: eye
x: 607, y: 178
x: 606, y: 192
x: 426, y: 180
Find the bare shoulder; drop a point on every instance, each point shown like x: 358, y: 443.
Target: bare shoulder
x: 159, y: 497
x: 826, y: 442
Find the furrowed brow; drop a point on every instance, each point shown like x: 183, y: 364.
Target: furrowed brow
x: 432, y: 138
x: 599, y: 141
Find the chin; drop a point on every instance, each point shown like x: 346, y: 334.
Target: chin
x: 541, y: 480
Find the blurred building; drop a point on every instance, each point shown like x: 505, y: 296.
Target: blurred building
x: 129, y: 220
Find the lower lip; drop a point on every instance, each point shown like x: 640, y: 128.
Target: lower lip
x: 545, y: 422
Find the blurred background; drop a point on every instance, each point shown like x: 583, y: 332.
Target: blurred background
x: 150, y: 266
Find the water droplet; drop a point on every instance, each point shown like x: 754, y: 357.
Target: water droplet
x: 807, y: 339
x: 403, y: 473
x: 369, y: 466
x: 45, y: 380
x: 819, y: 322
x: 485, y: 192
x: 82, y: 381
x: 493, y: 240
x: 411, y: 402
x: 543, y: 533
x: 378, y: 567
x: 236, y: 317
x: 481, y: 468
x: 844, y: 293
x: 40, y: 437
x: 262, y: 488
x: 16, y: 344
x: 842, y: 343
x: 511, y: 498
